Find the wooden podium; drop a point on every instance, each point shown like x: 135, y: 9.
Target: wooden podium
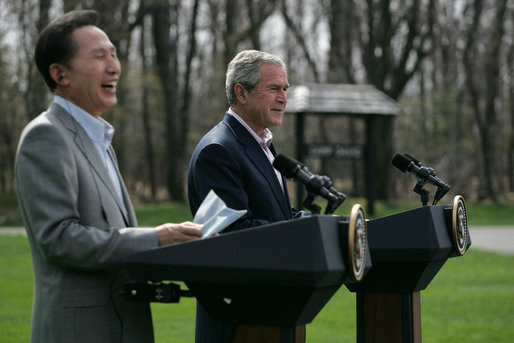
x: 407, y: 250
x: 267, y: 281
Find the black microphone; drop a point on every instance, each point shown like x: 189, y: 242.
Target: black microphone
x: 315, y: 184
x: 423, y: 174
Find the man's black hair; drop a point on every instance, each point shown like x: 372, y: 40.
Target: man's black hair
x: 55, y: 43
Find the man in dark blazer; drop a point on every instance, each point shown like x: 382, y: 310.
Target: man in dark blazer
x: 77, y: 213
x: 235, y: 157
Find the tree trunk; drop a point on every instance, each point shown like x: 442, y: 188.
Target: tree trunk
x: 36, y: 88
x: 235, y: 33
x: 301, y: 39
x: 342, y: 21
x: 145, y: 114
x: 230, y: 34
x: 483, y: 100
x: 510, y: 150
x: 390, y: 72
x: 165, y: 34
x: 186, y: 95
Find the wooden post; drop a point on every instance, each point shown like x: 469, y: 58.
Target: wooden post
x: 370, y: 164
x: 268, y: 334
x: 300, y: 155
x: 388, y: 317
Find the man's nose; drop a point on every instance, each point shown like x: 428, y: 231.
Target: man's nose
x: 114, y: 66
x: 282, y: 96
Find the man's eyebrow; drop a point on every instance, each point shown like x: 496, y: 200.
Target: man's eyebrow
x: 278, y: 85
x: 101, y: 49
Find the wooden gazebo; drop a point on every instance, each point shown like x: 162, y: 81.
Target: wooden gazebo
x: 364, y: 101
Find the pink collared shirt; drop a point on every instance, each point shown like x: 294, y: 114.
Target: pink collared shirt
x: 264, y: 141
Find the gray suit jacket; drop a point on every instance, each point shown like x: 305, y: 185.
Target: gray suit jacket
x: 78, y: 235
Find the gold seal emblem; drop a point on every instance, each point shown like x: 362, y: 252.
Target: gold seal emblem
x: 460, y: 225
x: 357, y: 241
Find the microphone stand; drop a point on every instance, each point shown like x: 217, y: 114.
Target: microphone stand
x: 333, y: 196
x: 309, y: 204
x: 424, y: 173
x: 332, y: 204
x: 441, y: 191
x: 422, y: 177
x: 422, y: 192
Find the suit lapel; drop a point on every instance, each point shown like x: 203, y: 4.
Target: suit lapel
x: 89, y: 151
x: 131, y: 216
x: 255, y: 154
x: 284, y: 181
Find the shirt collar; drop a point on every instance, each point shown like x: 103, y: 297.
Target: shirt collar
x: 99, y: 130
x: 264, y: 140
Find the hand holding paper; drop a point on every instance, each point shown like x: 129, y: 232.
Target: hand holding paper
x: 215, y: 215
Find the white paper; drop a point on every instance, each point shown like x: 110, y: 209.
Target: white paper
x: 214, y: 214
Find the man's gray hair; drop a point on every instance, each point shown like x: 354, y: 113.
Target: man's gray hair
x: 245, y: 69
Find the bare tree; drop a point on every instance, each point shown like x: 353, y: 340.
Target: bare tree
x: 191, y: 51
x: 343, y: 24
x: 22, y: 94
x: 29, y: 12
x: 35, y: 82
x: 165, y: 35
x: 461, y: 62
x: 145, y: 110
x: 510, y: 92
x: 394, y: 41
x: 237, y: 31
x: 388, y: 39
x: 482, y: 67
x: 299, y: 36
x: 8, y: 120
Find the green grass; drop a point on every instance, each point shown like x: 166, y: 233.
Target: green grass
x: 478, y: 214
x: 158, y: 213
x: 16, y: 283
x: 470, y: 300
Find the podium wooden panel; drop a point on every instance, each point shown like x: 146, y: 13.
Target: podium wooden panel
x: 388, y: 317
x: 268, y: 334
x: 407, y: 250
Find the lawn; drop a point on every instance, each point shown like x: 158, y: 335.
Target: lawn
x: 478, y: 213
x: 470, y: 300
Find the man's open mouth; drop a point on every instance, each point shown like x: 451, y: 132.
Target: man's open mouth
x: 109, y: 85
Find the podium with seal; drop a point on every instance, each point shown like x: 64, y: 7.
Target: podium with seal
x: 407, y: 249
x: 271, y: 281
x: 267, y: 281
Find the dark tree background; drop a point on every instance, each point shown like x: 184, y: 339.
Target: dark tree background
x: 448, y: 63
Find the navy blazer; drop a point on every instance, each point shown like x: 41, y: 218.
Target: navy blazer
x: 229, y: 160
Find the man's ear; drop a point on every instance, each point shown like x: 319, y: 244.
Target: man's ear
x: 241, y: 93
x: 58, y: 74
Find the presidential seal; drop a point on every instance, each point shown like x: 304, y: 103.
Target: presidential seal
x: 460, y: 230
x: 357, y: 241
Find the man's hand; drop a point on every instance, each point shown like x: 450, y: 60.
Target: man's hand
x: 169, y: 233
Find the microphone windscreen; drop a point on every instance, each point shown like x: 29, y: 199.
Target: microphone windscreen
x: 401, y: 162
x: 286, y: 165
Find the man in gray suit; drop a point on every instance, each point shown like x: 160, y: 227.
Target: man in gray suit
x: 75, y: 207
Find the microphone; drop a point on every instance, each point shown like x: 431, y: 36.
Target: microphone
x: 409, y: 164
x: 315, y: 184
